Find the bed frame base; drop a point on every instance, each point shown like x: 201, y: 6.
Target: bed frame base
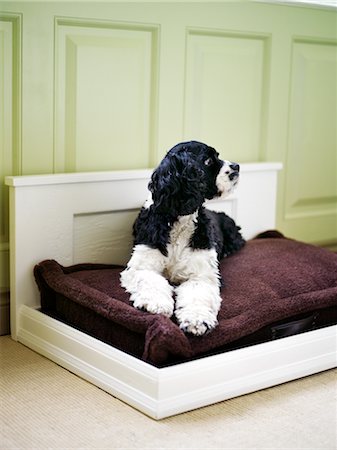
x: 83, y: 217
x: 163, y: 392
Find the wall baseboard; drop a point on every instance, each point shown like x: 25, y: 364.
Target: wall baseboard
x: 4, y: 313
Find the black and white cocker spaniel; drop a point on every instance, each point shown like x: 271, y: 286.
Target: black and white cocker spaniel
x: 178, y: 242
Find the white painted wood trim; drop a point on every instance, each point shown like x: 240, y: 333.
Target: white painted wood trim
x: 93, y: 177
x: 79, y: 177
x: 319, y: 4
x: 167, y: 391
x: 42, y: 211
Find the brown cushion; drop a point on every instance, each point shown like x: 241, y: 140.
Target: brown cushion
x: 269, y: 280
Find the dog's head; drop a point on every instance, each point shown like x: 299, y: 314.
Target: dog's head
x: 190, y: 173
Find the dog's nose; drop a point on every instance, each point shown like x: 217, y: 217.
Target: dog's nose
x: 235, y: 171
x: 235, y: 167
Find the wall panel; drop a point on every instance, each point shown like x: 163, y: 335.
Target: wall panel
x: 10, y: 29
x: 226, y: 91
x: 6, y: 119
x: 311, y: 180
x: 112, y: 85
x: 106, y: 95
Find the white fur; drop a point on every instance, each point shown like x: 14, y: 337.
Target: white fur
x: 144, y: 281
x: 198, y: 295
x: 180, y: 257
x: 198, y: 298
x: 148, y: 201
x: 224, y: 184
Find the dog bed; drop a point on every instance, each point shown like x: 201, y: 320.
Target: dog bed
x: 274, y: 287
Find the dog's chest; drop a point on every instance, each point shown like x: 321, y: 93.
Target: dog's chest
x: 179, y: 249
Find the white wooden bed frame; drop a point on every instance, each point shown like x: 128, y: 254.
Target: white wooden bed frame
x: 86, y: 217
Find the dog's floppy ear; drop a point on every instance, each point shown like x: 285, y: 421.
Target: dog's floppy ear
x: 177, y: 185
x: 165, y: 184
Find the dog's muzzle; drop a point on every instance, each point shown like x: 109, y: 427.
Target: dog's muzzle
x: 227, y: 178
x: 235, y: 169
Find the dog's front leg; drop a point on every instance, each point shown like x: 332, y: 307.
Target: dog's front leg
x: 198, y: 298
x: 143, y: 279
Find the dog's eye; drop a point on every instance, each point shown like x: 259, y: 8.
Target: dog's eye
x: 208, y: 162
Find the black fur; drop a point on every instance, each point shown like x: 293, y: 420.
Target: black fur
x: 179, y: 186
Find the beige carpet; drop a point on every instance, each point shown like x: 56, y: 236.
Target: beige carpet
x: 45, y: 407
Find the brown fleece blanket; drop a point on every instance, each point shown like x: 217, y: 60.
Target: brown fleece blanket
x: 269, y: 280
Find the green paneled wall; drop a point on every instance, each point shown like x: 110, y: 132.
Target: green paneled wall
x: 102, y: 86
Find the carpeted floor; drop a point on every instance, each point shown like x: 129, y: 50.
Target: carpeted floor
x: 45, y: 407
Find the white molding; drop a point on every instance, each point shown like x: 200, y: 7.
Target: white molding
x: 43, y: 207
x: 318, y: 4
x: 42, y: 211
x: 78, y: 177
x: 93, y: 177
x: 162, y: 392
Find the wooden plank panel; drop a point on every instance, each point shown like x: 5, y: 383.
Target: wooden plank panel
x: 104, y: 237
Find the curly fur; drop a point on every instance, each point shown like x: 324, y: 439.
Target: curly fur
x: 178, y: 241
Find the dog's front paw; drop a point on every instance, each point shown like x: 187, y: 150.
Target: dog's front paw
x: 158, y: 305
x: 196, y: 321
x: 149, y: 291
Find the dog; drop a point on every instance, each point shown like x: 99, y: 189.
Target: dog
x: 178, y: 242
